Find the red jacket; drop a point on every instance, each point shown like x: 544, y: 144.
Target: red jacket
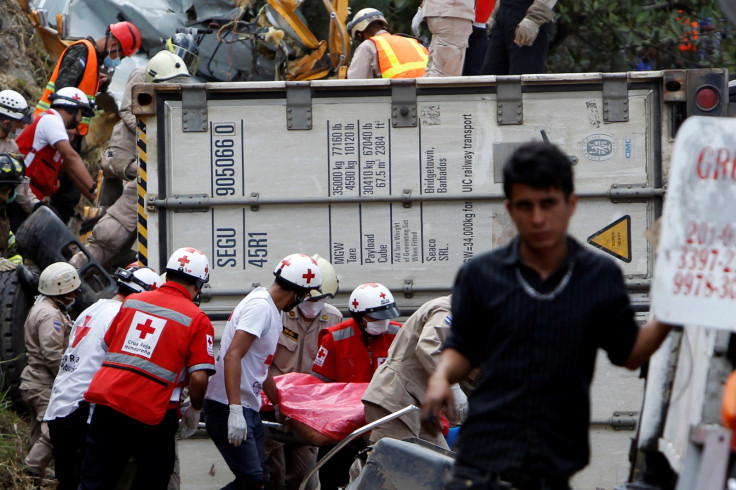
x: 344, y: 357
x: 156, y: 335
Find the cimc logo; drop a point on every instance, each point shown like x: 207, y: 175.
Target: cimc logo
x: 599, y: 147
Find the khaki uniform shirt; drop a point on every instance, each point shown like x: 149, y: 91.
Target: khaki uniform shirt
x: 461, y: 9
x: 124, y: 133
x: 298, y: 343
x: 412, y: 358
x: 47, y: 337
x: 8, y: 145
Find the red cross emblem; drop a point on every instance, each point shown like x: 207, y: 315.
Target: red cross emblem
x: 308, y: 276
x: 284, y: 263
x: 76, y: 97
x: 355, y: 304
x: 382, y: 295
x: 82, y: 330
x: 145, y: 328
x: 184, y: 261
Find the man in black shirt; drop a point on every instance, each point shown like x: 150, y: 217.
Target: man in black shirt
x: 532, y: 315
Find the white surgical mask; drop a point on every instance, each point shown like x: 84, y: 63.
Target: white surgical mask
x: 376, y: 327
x: 310, y: 309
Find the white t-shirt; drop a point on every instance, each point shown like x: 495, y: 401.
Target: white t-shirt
x: 82, y: 359
x: 256, y: 314
x: 49, y: 131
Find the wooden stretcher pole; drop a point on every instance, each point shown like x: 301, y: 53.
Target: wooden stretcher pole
x: 356, y: 433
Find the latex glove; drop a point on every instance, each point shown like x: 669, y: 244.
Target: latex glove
x: 526, y: 32
x: 461, y: 404
x: 189, y: 422
x: 6, y: 265
x: 416, y: 21
x: 237, y: 429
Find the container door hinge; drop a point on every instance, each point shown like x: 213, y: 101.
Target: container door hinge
x: 509, y: 107
x: 298, y: 105
x: 615, y: 97
x: 403, y: 104
x: 193, y: 108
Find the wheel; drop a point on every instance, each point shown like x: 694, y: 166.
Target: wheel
x: 14, y: 306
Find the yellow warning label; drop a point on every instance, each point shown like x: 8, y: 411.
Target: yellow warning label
x: 614, y: 239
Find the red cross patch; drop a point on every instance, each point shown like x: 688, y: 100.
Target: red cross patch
x: 321, y: 356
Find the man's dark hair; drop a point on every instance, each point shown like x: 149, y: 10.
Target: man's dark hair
x: 182, y: 279
x: 538, y: 165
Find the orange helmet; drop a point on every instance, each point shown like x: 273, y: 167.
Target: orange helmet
x: 127, y: 35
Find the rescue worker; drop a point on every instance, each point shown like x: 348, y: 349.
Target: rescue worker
x: 233, y: 399
x: 157, y: 340
x: 14, y: 115
x: 86, y: 64
x: 351, y: 351
x: 401, y: 380
x: 385, y: 55
x: 67, y: 411
x: 451, y: 23
x: 45, y: 147
x: 11, y: 176
x: 46, y: 337
x: 288, y: 464
x: 184, y: 45
x: 116, y: 230
x: 520, y: 34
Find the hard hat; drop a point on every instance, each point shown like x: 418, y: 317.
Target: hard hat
x: 373, y: 299
x: 185, y: 47
x: 72, y: 97
x: 137, y: 279
x: 57, y: 279
x: 127, y: 35
x: 362, y: 19
x: 330, y: 282
x: 13, y: 105
x: 190, y: 262
x: 12, y: 168
x: 164, y: 66
x: 299, y: 271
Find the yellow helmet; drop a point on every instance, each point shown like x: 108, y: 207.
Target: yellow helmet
x: 363, y: 18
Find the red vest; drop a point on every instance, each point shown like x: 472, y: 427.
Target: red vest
x: 345, y: 358
x: 42, y: 166
x: 89, y: 85
x: 148, y: 347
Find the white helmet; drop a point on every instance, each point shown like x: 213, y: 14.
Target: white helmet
x: 363, y: 18
x: 299, y: 271
x: 164, y: 66
x: 13, y: 105
x: 330, y: 283
x: 72, y: 97
x: 57, y: 279
x: 137, y: 279
x: 190, y: 262
x: 372, y: 299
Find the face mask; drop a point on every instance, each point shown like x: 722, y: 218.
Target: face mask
x: 310, y: 309
x: 293, y: 304
x: 112, y: 63
x: 377, y: 327
x: 63, y: 306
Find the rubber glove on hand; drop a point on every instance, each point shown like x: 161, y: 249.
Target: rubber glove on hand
x: 526, y: 32
x: 189, y: 422
x: 237, y: 429
x: 417, y: 21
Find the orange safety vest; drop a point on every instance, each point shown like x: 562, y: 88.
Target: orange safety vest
x: 399, y: 56
x: 89, y: 84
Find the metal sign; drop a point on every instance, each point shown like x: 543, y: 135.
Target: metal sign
x: 695, y: 270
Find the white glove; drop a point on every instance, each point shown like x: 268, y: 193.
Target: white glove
x: 416, y: 21
x: 461, y: 404
x: 237, y: 429
x: 526, y: 32
x: 6, y: 265
x: 189, y: 422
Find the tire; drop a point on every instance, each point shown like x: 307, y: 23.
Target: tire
x: 14, y: 306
